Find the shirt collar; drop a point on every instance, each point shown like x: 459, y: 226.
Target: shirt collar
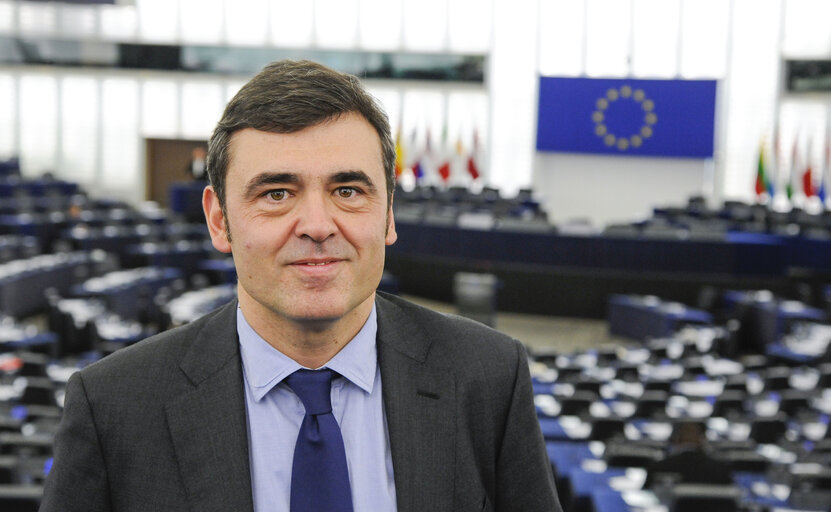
x: 264, y: 366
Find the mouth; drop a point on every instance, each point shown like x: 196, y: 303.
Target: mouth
x: 315, y: 262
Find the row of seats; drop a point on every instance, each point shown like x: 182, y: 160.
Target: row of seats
x: 462, y: 207
x: 698, y: 221
x: 608, y: 414
x: 79, y: 279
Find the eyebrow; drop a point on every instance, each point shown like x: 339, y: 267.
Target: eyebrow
x: 352, y: 177
x: 269, y: 178
x: 289, y: 178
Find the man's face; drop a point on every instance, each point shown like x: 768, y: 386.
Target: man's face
x: 308, y: 220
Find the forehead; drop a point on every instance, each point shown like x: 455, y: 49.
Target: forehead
x: 345, y: 142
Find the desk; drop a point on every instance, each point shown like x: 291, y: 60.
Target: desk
x: 585, y: 270
x: 608, y: 500
x: 642, y: 318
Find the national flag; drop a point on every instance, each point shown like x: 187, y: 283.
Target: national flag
x: 776, y: 163
x: 472, y: 169
x: 792, y: 168
x: 418, y: 172
x: 627, y: 117
x: 826, y: 169
x: 762, y: 183
x: 415, y: 165
x: 472, y: 166
x: 399, y: 154
x: 444, y: 168
x: 808, y: 177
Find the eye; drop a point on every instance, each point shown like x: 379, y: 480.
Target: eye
x: 346, y: 192
x: 277, y: 195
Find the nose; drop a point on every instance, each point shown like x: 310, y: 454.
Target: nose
x: 314, y: 219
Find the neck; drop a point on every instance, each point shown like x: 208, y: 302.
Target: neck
x: 310, y: 342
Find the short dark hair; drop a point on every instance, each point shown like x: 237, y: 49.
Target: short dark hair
x: 288, y: 96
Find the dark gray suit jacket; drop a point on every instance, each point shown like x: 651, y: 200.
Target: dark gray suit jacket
x: 161, y: 425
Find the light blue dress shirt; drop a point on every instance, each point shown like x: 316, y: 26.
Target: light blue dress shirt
x: 275, y: 413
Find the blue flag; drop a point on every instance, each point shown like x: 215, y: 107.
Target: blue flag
x: 627, y: 117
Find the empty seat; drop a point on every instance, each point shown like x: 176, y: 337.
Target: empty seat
x: 8, y: 469
x: 588, y: 384
x: 777, y: 378
x: 795, y: 401
x: 768, y: 429
x: 729, y: 404
x: 604, y: 429
x: 698, y: 497
x: 39, y: 391
x: 578, y: 403
x: 736, y: 383
x: 652, y: 404
x: 20, y: 498
x: 20, y: 445
x: 631, y: 455
x: 745, y: 460
x: 34, y: 364
x: 824, y: 381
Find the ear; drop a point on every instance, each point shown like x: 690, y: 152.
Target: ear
x: 216, y: 220
x: 391, y: 236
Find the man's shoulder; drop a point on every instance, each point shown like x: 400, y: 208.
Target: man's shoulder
x: 444, y: 322
x: 446, y: 334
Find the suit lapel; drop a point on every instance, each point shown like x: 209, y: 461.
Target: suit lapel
x: 208, y: 423
x: 420, y: 404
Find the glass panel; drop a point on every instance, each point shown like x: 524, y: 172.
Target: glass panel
x: 655, y: 31
x: 38, y: 123
x: 79, y: 128
x: 469, y: 25
x: 562, y: 24
x: 807, y: 32
x: 8, y: 110
x: 608, y: 26
x: 160, y: 108
x: 201, y: 108
x: 231, y: 89
x: 7, y: 16
x: 77, y: 20
x: 336, y: 23
x: 37, y: 17
x: 704, y: 36
x: 119, y: 134
x: 425, y: 25
x: 157, y: 21
x: 118, y: 22
x: 752, y: 90
x: 380, y: 25
x: 390, y: 100
x: 246, y: 21
x: 291, y: 22
x: 201, y: 21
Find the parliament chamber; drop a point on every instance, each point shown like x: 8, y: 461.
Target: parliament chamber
x: 83, y: 277
x: 636, y: 190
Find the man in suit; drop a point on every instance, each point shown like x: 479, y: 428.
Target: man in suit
x: 435, y: 412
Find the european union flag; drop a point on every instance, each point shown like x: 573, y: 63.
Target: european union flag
x: 627, y: 117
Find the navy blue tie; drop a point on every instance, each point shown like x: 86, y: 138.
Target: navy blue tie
x: 319, y: 475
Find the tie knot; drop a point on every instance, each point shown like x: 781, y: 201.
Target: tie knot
x: 313, y: 387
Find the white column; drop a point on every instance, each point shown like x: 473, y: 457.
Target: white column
x: 512, y: 86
